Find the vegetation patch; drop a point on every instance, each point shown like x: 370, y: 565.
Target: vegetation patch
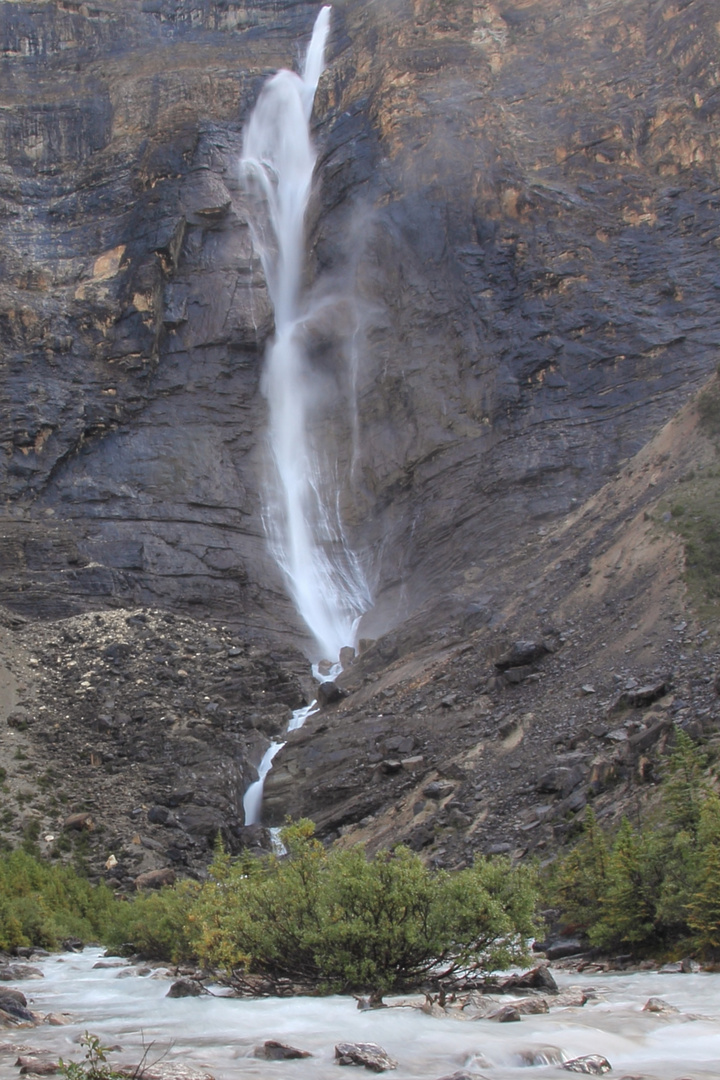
x: 42, y: 904
x: 694, y: 515
x: 653, y: 891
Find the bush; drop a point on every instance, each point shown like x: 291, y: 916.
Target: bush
x: 340, y: 921
x: 41, y: 904
x: 156, y: 925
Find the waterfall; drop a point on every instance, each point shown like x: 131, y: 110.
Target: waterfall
x: 302, y: 515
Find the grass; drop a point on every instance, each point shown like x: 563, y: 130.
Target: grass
x: 694, y: 515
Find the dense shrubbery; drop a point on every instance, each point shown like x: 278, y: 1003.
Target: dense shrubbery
x: 340, y: 920
x: 655, y: 889
x: 42, y: 903
x: 330, y: 920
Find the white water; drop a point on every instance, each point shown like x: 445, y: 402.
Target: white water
x: 219, y: 1035
x: 252, y: 800
x: 302, y: 516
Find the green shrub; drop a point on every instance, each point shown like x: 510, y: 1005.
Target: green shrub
x: 41, y: 903
x: 338, y: 920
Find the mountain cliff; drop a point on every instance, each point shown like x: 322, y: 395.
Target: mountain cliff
x: 513, y: 246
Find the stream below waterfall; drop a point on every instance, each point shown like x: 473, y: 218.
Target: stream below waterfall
x: 218, y: 1035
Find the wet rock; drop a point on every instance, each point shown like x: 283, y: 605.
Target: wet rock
x: 572, y: 998
x: 462, y: 1075
x: 590, y: 1064
x: 347, y: 657
x: 538, y: 978
x: 36, y: 1067
x: 16, y: 972
x: 370, y: 1055
x: 185, y: 988
x: 73, y: 944
x: 271, y: 1050
x: 539, y: 1056
x: 329, y: 693
x: 558, y: 948
x: 169, y: 1070
x: 13, y: 1007
x: 532, y: 1006
x: 658, y: 1005
x: 508, y: 1014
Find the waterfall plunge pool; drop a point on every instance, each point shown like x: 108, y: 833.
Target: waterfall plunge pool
x: 218, y: 1035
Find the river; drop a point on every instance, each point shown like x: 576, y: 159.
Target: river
x: 218, y: 1035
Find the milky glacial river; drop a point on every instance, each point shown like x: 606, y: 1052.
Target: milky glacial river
x: 219, y: 1035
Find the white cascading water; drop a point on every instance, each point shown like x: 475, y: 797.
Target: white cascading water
x: 303, y: 522
x: 302, y: 518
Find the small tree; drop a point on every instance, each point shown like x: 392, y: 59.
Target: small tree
x: 580, y: 880
x: 628, y: 904
x: 704, y: 907
x: 685, y: 787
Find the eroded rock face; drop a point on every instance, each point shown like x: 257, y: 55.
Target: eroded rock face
x: 513, y: 236
x: 525, y: 233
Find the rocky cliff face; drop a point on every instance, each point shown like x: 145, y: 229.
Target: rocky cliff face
x: 515, y: 236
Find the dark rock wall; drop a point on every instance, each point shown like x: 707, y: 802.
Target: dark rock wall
x: 522, y: 198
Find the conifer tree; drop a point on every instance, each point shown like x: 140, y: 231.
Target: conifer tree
x: 685, y: 786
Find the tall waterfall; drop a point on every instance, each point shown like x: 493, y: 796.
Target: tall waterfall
x: 302, y: 513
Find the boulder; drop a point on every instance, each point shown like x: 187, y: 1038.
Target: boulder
x: 347, y: 657
x: 73, y: 944
x: 590, y: 1064
x: 507, y: 1015
x: 155, y: 879
x: 329, y: 693
x: 531, y: 1006
x: 272, y: 1050
x: 13, y: 1007
x: 520, y: 654
x: 658, y: 1005
x: 185, y: 988
x: 31, y: 1066
x: 79, y: 823
x: 561, y: 779
x: 438, y: 789
x: 558, y: 948
x: 370, y: 1055
x: 538, y: 978
x: 16, y: 972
